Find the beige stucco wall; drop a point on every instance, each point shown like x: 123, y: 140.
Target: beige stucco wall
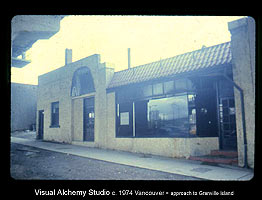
x: 170, y: 147
x: 52, y: 91
x: 243, y: 54
x: 56, y: 86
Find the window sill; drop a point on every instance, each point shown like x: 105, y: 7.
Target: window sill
x: 54, y: 126
x: 124, y: 136
x: 191, y: 136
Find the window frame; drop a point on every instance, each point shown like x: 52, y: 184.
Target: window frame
x: 54, y: 122
x: 130, y: 125
x: 137, y: 135
x: 191, y: 89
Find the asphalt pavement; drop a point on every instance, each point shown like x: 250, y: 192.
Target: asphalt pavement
x: 30, y: 163
x: 182, y: 167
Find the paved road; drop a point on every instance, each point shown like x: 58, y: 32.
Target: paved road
x: 34, y: 163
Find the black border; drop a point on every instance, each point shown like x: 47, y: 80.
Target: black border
x: 15, y: 188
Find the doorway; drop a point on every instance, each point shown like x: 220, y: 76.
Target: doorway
x: 228, y: 136
x: 40, y: 124
x: 206, y: 113
x: 89, y: 119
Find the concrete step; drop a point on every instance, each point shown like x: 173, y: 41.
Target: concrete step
x: 218, y: 157
x: 226, y: 153
x: 215, y: 159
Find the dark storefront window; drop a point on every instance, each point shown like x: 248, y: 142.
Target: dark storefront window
x: 125, y: 119
x: 165, y: 117
x: 173, y: 108
x: 55, y: 114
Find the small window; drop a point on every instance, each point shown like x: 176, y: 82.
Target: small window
x: 168, y: 87
x: 181, y: 84
x: 158, y: 89
x: 190, y: 85
x: 55, y: 114
x: 147, y: 90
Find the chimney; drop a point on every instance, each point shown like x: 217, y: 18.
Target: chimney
x: 68, y: 56
x: 128, y: 54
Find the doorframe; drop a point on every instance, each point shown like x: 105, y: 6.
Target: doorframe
x: 41, y: 124
x: 222, y: 133
x: 84, y: 110
x: 220, y: 129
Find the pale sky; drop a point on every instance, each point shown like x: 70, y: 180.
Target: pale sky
x: 149, y: 37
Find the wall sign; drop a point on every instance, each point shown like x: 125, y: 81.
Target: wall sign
x: 124, y: 118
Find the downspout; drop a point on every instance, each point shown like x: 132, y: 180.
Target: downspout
x: 243, y: 116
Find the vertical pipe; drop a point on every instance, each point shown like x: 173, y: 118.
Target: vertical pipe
x: 128, y: 54
x: 134, y: 121
x: 68, y: 56
x: 243, y: 117
x: 244, y: 127
x: 218, y: 115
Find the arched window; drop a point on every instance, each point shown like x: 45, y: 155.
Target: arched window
x: 82, y: 82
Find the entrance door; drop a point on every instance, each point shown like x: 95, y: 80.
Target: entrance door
x: 89, y: 119
x: 227, y: 116
x: 40, y: 124
x: 206, y: 113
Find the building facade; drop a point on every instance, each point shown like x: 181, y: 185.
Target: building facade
x: 243, y: 41
x: 23, y: 106
x: 177, y: 107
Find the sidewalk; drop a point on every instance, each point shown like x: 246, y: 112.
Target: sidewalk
x: 170, y: 165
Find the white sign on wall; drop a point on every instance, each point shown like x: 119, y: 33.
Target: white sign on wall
x: 124, y: 118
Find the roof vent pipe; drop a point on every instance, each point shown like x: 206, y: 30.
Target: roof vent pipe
x: 128, y: 54
x: 68, y: 56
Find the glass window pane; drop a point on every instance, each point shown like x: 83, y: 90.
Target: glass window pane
x: 141, y: 118
x: 225, y: 118
x: 55, y: 107
x: 157, y: 89
x: 147, y: 90
x: 55, y: 114
x: 231, y: 103
x: 82, y: 82
x: 125, y: 120
x: 225, y: 111
x: 192, y: 121
x: 181, y: 84
x: 232, y: 118
x: 224, y: 102
x: 89, y: 102
x: 190, y: 85
x: 191, y: 99
x: 168, y: 87
x: 168, y: 117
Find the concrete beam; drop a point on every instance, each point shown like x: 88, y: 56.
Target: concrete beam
x: 27, y: 29
x: 19, y: 63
